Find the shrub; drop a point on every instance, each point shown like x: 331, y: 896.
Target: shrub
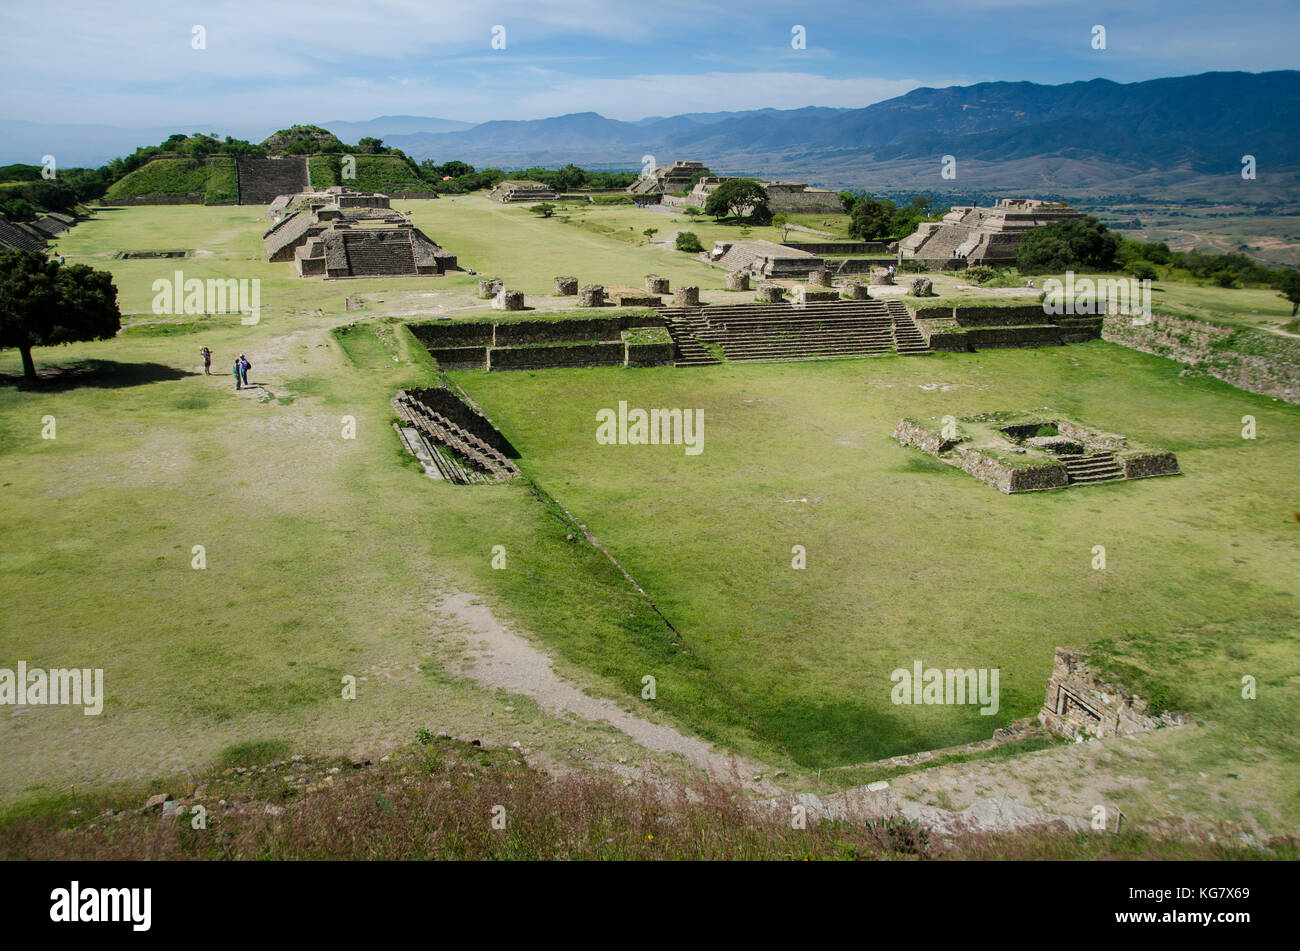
x: 980, y: 274
x: 688, y: 241
x: 1143, y: 271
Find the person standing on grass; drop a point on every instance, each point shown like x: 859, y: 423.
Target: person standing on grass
x: 207, y: 360
x: 239, y: 369
x: 244, y: 367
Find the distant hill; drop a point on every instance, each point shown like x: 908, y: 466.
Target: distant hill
x: 1099, y: 135
x: 1177, y: 137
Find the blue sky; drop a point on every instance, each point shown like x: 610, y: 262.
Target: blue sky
x: 268, y: 64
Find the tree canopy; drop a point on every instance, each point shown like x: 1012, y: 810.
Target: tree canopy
x: 1076, y: 243
x: 43, y: 303
x: 736, y: 195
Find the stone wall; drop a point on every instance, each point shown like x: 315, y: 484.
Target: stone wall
x: 988, y: 337
x: 1261, y: 363
x: 516, y: 333
x: 1001, y: 316
x: 543, y: 358
x: 1146, y: 465
x: 566, y: 286
x: 656, y: 284
x: 452, y: 334
x: 839, y: 247
x: 1079, y: 703
x: 460, y: 358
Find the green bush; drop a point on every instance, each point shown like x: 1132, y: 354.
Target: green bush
x: 980, y: 274
x: 688, y: 241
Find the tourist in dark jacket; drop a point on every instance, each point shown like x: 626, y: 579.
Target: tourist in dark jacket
x: 239, y: 371
x: 207, y: 360
x: 244, y: 367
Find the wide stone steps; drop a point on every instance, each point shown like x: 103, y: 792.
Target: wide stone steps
x: 390, y: 257
x: 444, y: 434
x: 1096, y: 467
x: 261, y: 180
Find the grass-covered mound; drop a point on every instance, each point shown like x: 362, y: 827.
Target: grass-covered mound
x: 374, y: 173
x: 164, y: 176
x: 223, y: 182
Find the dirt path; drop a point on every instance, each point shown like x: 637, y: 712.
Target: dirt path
x: 500, y: 658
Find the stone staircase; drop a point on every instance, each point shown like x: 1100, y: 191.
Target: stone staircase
x: 907, y: 336
x: 459, y: 455
x: 685, y: 328
x: 261, y: 180
x: 1094, y: 467
x: 378, y: 254
x: 752, y: 332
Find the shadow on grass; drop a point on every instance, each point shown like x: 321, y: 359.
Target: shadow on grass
x: 105, y: 374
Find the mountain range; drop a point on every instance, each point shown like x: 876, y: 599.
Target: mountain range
x: 1177, y: 136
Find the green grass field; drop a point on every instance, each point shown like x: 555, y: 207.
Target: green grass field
x: 324, y: 553
x: 908, y: 559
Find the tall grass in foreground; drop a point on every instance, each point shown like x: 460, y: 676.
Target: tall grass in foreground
x: 438, y: 801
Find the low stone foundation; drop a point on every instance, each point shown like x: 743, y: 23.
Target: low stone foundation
x: 638, y: 300
x: 656, y: 284
x: 686, y: 297
x: 489, y: 287
x: 566, y: 286
x: 856, y: 290
x: 819, y: 278
x: 738, y: 281
x: 593, y: 295
x: 809, y: 295
x: 771, y: 293
x: 509, y: 300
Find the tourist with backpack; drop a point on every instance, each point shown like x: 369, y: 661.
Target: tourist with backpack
x: 244, y: 367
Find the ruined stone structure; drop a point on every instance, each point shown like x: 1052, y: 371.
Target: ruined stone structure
x: 770, y: 292
x: 591, y: 295
x: 686, y: 297
x: 334, y: 197
x: 738, y: 281
x: 260, y: 181
x: 452, y: 438
x: 815, y: 330
x: 856, y: 290
x: 763, y: 259
x: 513, y: 192
x: 1030, y: 452
x: 508, y: 300
x: 566, y: 286
x: 1078, y: 703
x: 973, y: 235
x: 819, y: 277
x: 667, y: 179
x: 656, y: 284
x: 489, y: 287
x: 21, y: 236
x: 294, y: 228
x: 343, y: 251
x: 783, y: 197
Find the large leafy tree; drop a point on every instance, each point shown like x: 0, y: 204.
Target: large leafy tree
x: 871, y: 219
x: 43, y: 304
x: 1077, y: 243
x: 1289, y: 285
x: 736, y: 195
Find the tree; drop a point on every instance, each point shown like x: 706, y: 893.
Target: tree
x: 650, y: 233
x: 1077, y: 243
x: 1289, y: 285
x: 871, y: 219
x: 43, y: 304
x: 782, y: 222
x: 693, y: 211
x: 545, y: 209
x: 734, y: 196
x: 688, y: 241
x: 369, y: 145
